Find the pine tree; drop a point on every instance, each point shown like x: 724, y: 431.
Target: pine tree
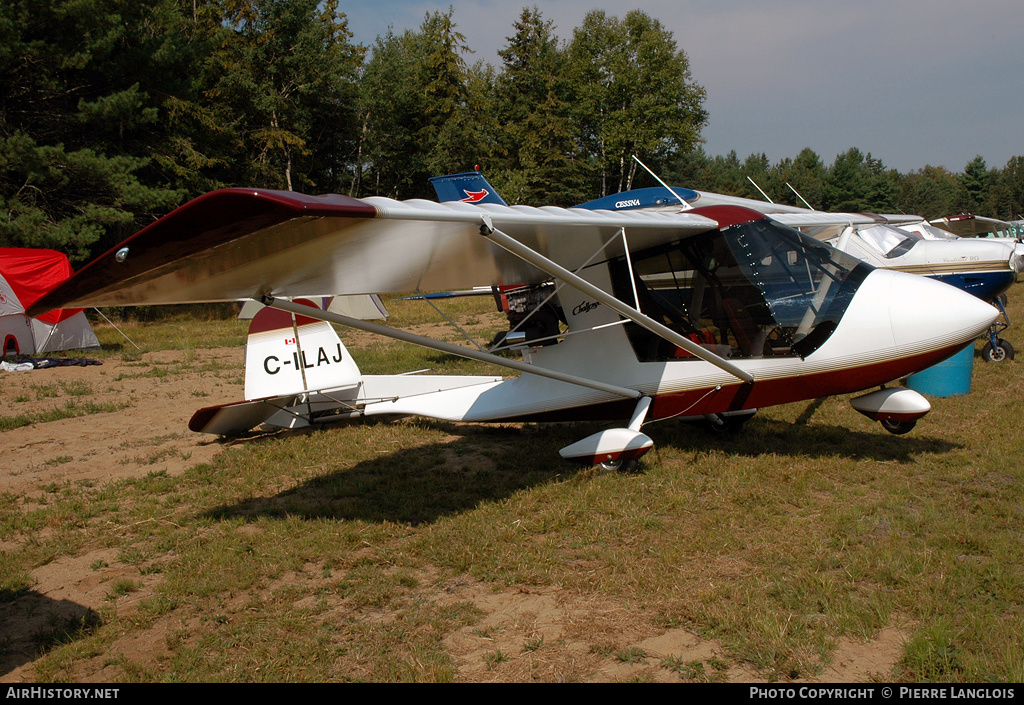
x: 533, y: 99
x: 83, y: 83
x: 284, y: 82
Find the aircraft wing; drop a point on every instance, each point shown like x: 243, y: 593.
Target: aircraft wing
x: 238, y: 244
x: 821, y: 224
x: 967, y: 225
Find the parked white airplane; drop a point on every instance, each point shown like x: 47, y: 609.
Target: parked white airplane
x: 969, y: 225
x: 710, y: 313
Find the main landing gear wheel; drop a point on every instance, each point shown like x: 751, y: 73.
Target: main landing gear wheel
x: 898, y: 427
x: 1002, y: 351
x: 728, y: 424
x: 620, y: 465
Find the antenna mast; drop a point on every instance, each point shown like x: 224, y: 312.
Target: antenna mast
x: 799, y: 196
x: 759, y: 190
x: 686, y: 205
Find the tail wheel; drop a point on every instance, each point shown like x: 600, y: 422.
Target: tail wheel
x: 998, y: 353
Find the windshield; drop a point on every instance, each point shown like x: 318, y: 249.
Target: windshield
x: 888, y: 241
x: 930, y: 232
x: 750, y: 290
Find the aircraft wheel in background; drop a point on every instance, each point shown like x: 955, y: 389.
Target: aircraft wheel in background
x: 1002, y: 351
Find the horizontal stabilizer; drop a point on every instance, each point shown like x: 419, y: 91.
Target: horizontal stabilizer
x: 233, y: 419
x: 365, y: 307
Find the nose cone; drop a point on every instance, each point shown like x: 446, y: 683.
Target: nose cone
x: 929, y: 315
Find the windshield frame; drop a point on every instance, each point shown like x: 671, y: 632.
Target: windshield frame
x: 749, y: 290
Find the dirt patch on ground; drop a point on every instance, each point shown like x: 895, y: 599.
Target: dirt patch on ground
x: 126, y: 418
x: 130, y: 417
x: 543, y: 634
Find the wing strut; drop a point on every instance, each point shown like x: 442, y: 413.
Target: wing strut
x: 426, y: 342
x: 543, y: 263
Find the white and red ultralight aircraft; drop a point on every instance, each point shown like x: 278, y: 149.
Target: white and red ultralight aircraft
x: 708, y: 313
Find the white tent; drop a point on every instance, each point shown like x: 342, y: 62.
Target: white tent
x: 25, y: 275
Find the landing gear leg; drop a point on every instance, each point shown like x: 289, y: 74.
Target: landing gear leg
x: 997, y: 349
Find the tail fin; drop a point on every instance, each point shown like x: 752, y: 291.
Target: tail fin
x: 288, y: 354
x: 469, y: 187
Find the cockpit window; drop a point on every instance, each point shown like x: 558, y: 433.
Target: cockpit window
x: 888, y: 241
x: 930, y: 232
x: 750, y: 290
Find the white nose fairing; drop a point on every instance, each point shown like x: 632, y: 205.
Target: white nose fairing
x: 932, y: 315
x: 896, y: 316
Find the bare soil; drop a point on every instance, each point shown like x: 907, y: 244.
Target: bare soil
x: 148, y: 432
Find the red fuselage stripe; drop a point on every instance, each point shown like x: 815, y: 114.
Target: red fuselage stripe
x: 735, y: 397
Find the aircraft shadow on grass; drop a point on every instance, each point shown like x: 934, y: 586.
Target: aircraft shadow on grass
x: 32, y: 623
x: 483, y: 463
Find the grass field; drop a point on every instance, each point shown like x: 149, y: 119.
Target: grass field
x: 384, y: 551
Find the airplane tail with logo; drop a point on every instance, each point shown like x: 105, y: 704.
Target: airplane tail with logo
x: 289, y: 354
x: 468, y: 187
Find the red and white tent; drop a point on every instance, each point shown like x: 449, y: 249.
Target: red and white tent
x: 25, y: 275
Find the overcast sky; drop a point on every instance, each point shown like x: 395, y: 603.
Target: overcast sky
x: 913, y: 82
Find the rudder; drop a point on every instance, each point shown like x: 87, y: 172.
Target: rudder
x: 468, y: 187
x: 291, y: 354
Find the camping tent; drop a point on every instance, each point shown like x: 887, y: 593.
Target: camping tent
x: 25, y: 275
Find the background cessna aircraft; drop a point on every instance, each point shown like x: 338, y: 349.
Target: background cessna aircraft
x: 708, y: 313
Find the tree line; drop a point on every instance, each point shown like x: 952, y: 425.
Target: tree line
x: 113, y: 112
